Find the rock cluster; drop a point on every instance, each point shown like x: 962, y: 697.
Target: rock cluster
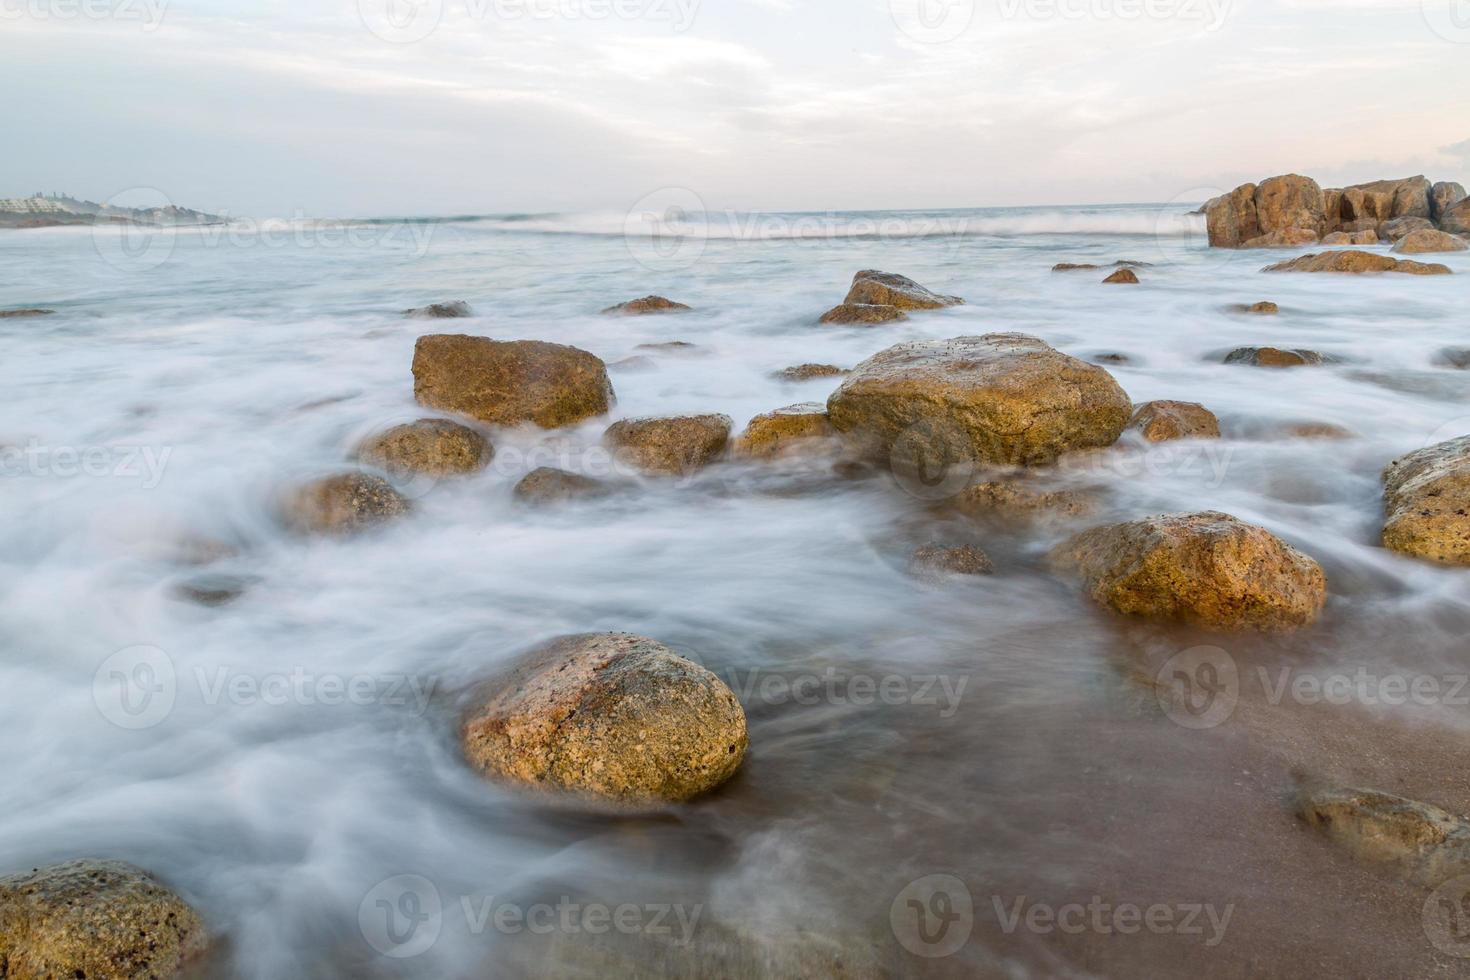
x: 1291, y: 210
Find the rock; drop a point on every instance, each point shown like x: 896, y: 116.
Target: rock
x: 214, y: 590
x: 1428, y: 844
x: 1443, y: 196
x: 1209, y: 570
x: 510, y: 382
x: 342, y: 504
x: 1002, y: 398
x: 806, y: 372
x: 786, y: 430
x: 1384, y: 200
x: 1112, y: 357
x: 1230, y: 219
x: 608, y: 716
x: 1160, y: 421
x: 1365, y: 237
x: 1123, y: 276
x: 1273, y: 357
x: 547, y: 485
x: 890, y: 289
x: 1332, y: 206
x: 1283, y: 238
x: 646, y: 305
x: 675, y: 445
x: 5, y: 314
x: 1337, y: 238
x: 1427, y: 494
x: 101, y: 919
x: 638, y: 362
x: 1023, y: 502
x: 670, y: 347
x: 863, y: 313
x: 934, y: 562
x: 1316, y: 430
x: 1456, y: 218
x: 1288, y: 202
x: 1455, y: 357
x: 1078, y: 266
x: 1264, y: 308
x: 1400, y: 227
x: 1429, y: 240
x: 437, y: 447
x: 1355, y: 261
x: 440, y: 311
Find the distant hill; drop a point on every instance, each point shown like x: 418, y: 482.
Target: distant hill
x: 49, y: 211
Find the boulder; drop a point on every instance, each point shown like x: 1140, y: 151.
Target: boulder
x: 1023, y: 502
x: 342, y: 504
x: 1264, y: 308
x: 1001, y: 398
x: 794, y: 428
x: 672, y: 446
x: 1365, y: 237
x: 510, y: 382
x: 1337, y: 238
x: 1454, y: 357
x: 849, y: 313
x: 1123, y: 276
x: 1426, y: 843
x: 1384, y: 200
x: 547, y: 485
x: 1443, y: 196
x: 806, y: 372
x: 1283, y: 238
x: 608, y: 716
x: 1332, y: 206
x: 1456, y: 218
x: 1208, y: 570
x: 890, y: 289
x: 1231, y: 220
x: 437, y: 447
x: 440, y: 311
x: 1352, y: 260
x: 646, y: 305
x: 1290, y: 202
x: 1273, y: 357
x: 935, y: 562
x: 102, y: 919
x: 6, y: 314
x: 1160, y: 421
x: 1398, y: 228
x: 1429, y: 240
x: 1427, y: 497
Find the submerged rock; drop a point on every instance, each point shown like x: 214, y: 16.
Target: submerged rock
x: 1426, y: 843
x: 437, y: 447
x: 1159, y: 421
x: 548, y: 485
x: 673, y: 445
x: 1455, y: 357
x: 670, y: 347
x: 870, y: 288
x: 1001, y: 398
x: 1274, y: 357
x: 440, y: 311
x: 806, y: 372
x: 610, y: 716
x: 1023, y: 501
x: 1079, y: 266
x: 1427, y: 494
x: 1123, y: 276
x: 510, y: 382
x: 4, y: 314
x: 342, y: 504
x: 863, y: 313
x: 794, y: 428
x: 1354, y: 261
x: 101, y: 919
x: 648, y: 304
x: 936, y: 562
x: 1429, y: 240
x: 1209, y: 569
x: 214, y: 590
x: 1264, y: 308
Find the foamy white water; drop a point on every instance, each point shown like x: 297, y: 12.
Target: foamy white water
x: 296, y: 751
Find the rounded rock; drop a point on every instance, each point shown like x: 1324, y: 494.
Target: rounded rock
x: 1159, y: 421
x: 343, y: 504
x: 510, y: 382
x: 669, y: 446
x: 548, y: 485
x: 1427, y: 494
x: 437, y: 447
x: 784, y: 431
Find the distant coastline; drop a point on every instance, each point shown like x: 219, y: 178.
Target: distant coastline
x: 60, y: 210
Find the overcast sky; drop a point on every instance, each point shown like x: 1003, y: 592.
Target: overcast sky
x: 279, y: 107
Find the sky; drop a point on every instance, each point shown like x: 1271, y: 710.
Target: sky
x: 352, y: 108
